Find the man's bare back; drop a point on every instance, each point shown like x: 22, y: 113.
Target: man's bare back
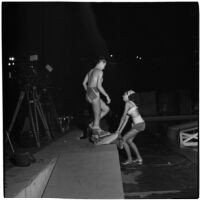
x: 93, y: 76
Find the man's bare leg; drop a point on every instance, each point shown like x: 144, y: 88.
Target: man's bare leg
x: 96, y: 110
x: 104, y: 109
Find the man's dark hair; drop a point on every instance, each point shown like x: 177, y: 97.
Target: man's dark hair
x: 102, y: 60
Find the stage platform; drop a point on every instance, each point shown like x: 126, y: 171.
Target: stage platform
x: 69, y: 168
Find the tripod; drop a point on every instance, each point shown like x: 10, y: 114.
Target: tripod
x: 35, y: 112
x: 50, y: 112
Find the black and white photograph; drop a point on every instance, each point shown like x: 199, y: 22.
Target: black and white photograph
x: 100, y: 99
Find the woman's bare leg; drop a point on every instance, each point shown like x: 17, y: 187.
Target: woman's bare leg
x: 128, y: 152
x: 135, y: 149
x: 127, y: 138
x: 130, y: 134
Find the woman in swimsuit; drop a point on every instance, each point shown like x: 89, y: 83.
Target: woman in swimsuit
x: 93, y: 86
x: 130, y: 110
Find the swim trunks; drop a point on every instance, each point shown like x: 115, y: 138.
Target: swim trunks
x: 92, y: 94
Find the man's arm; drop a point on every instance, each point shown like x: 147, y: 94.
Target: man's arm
x: 85, y: 82
x: 99, y: 85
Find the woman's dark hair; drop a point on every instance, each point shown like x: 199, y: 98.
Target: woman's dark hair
x: 131, y: 97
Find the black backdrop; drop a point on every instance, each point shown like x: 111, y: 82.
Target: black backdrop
x: 70, y: 36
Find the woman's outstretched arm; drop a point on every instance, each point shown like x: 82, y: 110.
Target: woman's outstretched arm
x: 124, y: 119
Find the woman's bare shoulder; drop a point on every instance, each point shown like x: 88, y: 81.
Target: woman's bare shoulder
x: 128, y: 104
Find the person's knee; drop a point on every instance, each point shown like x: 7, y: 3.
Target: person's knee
x: 107, y: 109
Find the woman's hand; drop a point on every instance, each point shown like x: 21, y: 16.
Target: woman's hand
x: 118, y: 132
x: 120, y: 136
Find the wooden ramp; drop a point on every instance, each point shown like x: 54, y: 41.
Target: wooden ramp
x: 87, y: 173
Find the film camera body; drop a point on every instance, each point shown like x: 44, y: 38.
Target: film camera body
x: 29, y: 70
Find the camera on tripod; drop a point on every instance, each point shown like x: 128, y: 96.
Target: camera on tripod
x: 29, y: 70
x: 33, y: 80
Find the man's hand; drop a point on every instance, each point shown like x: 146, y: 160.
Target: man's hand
x: 108, y: 99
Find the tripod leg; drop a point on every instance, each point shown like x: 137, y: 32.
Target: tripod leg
x: 36, y: 117
x: 21, y: 96
x: 42, y: 116
x: 31, y: 118
x: 10, y: 142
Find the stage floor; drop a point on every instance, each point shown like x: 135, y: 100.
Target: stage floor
x: 79, y: 170
x: 83, y: 170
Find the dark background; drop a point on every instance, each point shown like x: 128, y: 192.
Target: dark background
x: 70, y: 36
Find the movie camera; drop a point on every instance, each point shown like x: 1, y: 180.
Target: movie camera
x: 29, y: 70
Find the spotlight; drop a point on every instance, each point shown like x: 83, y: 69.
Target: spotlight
x: 111, y: 55
x: 11, y: 61
x: 139, y: 57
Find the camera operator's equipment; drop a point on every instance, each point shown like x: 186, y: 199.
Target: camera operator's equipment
x: 65, y: 122
x: 32, y: 78
x: 35, y: 112
x: 39, y: 110
x: 22, y: 159
x: 19, y: 158
x: 50, y: 111
x: 11, y: 63
x: 29, y: 70
x: 49, y: 68
x: 34, y: 58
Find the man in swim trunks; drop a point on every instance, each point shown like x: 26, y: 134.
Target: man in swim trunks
x: 93, y: 86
